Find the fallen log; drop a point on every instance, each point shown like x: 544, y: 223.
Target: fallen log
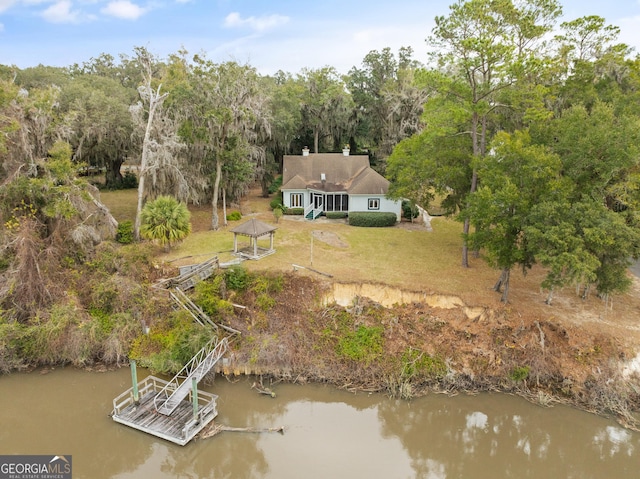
x: 262, y: 390
x: 215, y: 429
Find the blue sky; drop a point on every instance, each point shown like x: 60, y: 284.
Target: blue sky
x: 271, y: 35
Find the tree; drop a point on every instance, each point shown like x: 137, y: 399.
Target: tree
x: 516, y: 177
x: 388, y: 99
x: 435, y: 161
x: 600, y: 159
x: 166, y: 221
x: 101, y: 127
x: 285, y: 98
x: 483, y: 48
x: 326, y: 106
x: 225, y: 109
x: 48, y: 220
x: 154, y: 99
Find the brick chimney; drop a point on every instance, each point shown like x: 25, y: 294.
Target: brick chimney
x: 305, y: 151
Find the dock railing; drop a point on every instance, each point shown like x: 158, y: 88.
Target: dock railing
x: 179, y: 386
x: 207, y: 403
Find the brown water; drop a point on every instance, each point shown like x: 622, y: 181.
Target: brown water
x: 329, y: 434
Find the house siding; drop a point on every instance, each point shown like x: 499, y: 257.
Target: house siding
x: 286, y: 198
x: 361, y: 203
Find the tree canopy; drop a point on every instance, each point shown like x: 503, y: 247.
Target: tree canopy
x: 523, y: 128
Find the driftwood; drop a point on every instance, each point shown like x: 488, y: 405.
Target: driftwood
x: 215, y: 429
x: 262, y: 390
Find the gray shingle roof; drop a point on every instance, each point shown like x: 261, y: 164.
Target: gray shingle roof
x: 351, y: 174
x: 254, y: 228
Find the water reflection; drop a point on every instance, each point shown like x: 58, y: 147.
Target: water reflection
x: 499, y: 436
x: 329, y: 433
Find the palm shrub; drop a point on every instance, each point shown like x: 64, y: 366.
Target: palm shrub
x: 165, y: 220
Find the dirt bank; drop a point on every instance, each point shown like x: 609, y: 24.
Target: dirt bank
x: 432, y: 313
x: 431, y: 342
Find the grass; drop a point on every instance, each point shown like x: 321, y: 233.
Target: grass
x: 404, y: 257
x: 121, y: 203
x: 413, y: 259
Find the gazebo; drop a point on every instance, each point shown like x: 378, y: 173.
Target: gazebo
x: 255, y: 230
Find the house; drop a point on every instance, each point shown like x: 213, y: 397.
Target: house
x: 325, y: 182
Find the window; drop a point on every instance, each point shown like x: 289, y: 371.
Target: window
x: 329, y: 205
x: 296, y: 200
x: 345, y: 202
x: 374, y: 203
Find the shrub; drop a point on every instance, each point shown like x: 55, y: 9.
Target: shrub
x: 237, y: 278
x: 519, y: 373
x: 409, y: 210
x: 268, y: 284
x: 294, y: 211
x: 336, y: 215
x: 124, y: 234
x: 265, y: 302
x: 275, y: 185
x: 208, y: 296
x: 170, y: 344
x: 276, y: 202
x: 417, y: 363
x: 234, y: 216
x: 363, y: 345
x: 129, y: 181
x: 372, y: 219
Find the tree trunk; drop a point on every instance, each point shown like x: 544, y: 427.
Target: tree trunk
x: 316, y: 140
x: 112, y: 175
x: 466, y: 226
x: 155, y: 99
x: 505, y: 293
x: 503, y: 281
x: 216, y: 192
x: 224, y: 206
x: 465, y: 247
x: 549, y: 297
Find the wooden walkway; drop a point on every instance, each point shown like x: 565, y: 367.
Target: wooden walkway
x: 179, y: 387
x: 166, y: 408
x: 179, y: 428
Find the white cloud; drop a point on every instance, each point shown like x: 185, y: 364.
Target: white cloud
x: 6, y: 4
x: 124, y: 9
x: 260, y: 24
x: 61, y: 12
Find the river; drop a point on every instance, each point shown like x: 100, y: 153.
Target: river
x: 329, y: 434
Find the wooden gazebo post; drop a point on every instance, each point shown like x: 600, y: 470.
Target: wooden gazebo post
x: 254, y: 229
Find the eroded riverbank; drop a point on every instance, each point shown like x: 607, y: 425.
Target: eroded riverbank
x: 376, y: 338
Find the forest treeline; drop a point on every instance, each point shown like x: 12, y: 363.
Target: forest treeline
x: 523, y: 127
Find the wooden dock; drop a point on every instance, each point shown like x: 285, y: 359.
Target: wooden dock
x: 180, y: 427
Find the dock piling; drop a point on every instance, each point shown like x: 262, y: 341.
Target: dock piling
x: 134, y: 380
x: 194, y: 398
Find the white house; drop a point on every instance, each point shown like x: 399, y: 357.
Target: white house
x: 325, y: 182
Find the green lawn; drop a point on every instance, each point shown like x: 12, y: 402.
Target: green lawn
x: 417, y: 260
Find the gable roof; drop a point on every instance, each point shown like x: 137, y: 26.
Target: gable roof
x: 351, y: 174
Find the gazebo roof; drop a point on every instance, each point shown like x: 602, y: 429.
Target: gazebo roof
x: 254, y: 228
